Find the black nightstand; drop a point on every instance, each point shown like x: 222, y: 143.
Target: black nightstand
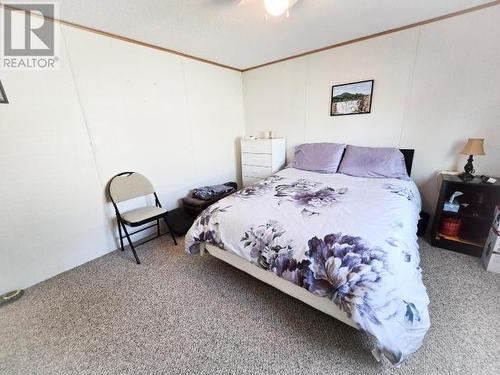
x: 475, y: 218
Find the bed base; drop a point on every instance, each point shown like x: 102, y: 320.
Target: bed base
x: 319, y: 303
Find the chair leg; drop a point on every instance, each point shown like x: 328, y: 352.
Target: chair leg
x: 131, y: 245
x: 120, y: 233
x: 170, y: 231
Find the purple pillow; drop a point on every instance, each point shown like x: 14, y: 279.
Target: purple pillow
x: 379, y: 162
x: 318, y: 157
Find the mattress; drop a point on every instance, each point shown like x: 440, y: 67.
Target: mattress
x: 348, y: 240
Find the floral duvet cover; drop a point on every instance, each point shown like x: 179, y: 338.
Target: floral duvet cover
x: 351, y: 240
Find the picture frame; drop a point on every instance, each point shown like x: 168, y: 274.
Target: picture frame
x: 3, y: 95
x: 354, y: 98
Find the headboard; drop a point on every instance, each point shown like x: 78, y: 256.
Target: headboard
x: 408, y: 154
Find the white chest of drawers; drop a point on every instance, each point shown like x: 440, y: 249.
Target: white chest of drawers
x: 261, y: 158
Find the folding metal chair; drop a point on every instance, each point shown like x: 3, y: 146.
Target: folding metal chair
x: 129, y: 185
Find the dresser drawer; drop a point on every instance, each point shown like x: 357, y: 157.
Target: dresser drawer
x: 254, y: 171
x: 247, y: 181
x: 256, y: 146
x: 263, y: 160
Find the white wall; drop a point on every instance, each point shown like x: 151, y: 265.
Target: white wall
x: 113, y: 106
x: 435, y: 86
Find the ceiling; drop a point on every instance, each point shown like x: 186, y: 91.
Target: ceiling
x: 236, y: 33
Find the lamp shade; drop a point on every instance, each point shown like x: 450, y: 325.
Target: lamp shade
x: 474, y: 146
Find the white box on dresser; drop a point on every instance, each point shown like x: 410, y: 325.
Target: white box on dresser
x: 491, y: 252
x: 261, y: 158
x: 496, y: 219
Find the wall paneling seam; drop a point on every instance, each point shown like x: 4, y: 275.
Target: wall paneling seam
x: 100, y: 180
x: 82, y: 109
x: 411, y: 79
x: 189, y: 118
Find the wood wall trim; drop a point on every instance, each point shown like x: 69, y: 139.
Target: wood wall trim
x: 124, y: 38
x: 376, y: 35
x: 337, y: 45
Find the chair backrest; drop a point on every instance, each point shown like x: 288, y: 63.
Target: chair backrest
x: 129, y: 185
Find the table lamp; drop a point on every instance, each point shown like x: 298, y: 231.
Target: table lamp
x: 474, y: 146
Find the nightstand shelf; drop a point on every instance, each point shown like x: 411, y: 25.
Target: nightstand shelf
x: 475, y: 218
x: 443, y: 237
x: 467, y: 216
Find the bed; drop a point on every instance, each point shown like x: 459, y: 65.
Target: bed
x: 345, y: 245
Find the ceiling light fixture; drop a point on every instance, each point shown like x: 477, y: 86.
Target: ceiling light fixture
x: 278, y: 7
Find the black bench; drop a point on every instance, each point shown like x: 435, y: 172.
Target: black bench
x: 182, y: 218
x: 194, y: 206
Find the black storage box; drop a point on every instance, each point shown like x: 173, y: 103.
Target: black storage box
x: 179, y: 221
x: 194, y: 206
x: 422, y: 223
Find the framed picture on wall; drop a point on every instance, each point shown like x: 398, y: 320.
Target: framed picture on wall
x: 3, y: 96
x: 352, y: 98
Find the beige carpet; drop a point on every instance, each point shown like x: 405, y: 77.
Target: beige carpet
x: 177, y: 313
